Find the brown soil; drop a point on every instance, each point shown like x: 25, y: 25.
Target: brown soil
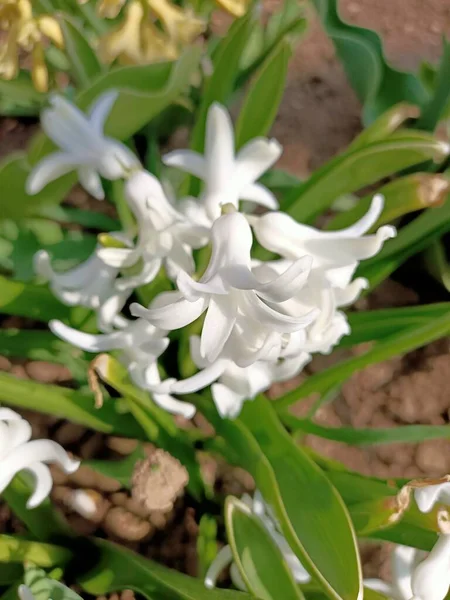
x: 319, y: 116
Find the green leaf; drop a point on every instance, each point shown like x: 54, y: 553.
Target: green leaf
x: 401, y: 196
x: 437, y: 263
x: 311, y: 509
x: 394, y: 345
x: 355, y: 169
x: 219, y: 86
x: 261, y: 103
x: 21, y: 92
x: 369, y: 437
x: 144, y: 91
x: 84, y: 64
x: 156, y: 422
x: 43, y: 522
x: 18, y: 550
x: 120, y: 470
x: 385, y: 125
x: 257, y: 556
x: 377, y: 85
x: 119, y: 569
x: 68, y: 404
x: 438, y: 103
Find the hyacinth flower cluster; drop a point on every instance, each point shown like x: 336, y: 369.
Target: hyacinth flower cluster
x: 416, y: 575
x: 259, y: 321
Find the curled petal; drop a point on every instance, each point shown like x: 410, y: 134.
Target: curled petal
x: 255, y: 158
x: 222, y: 560
x: 200, y: 380
x: 217, y: 327
x: 431, y: 578
x: 171, y: 316
x: 100, y: 109
x: 48, y: 169
x: 188, y: 161
x: 90, y: 180
x: 228, y: 402
x: 87, y: 341
x: 258, y: 193
x: 429, y: 495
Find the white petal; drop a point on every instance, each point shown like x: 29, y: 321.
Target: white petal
x: 254, y: 159
x: 378, y: 585
x: 171, y: 316
x: 271, y: 317
x: 351, y: 293
x: 43, y: 483
x: 148, y: 273
x: 90, y: 180
x: 219, y: 322
x: 236, y: 578
x: 100, y: 109
x: 173, y: 406
x: 51, y: 167
x: 404, y: 559
x: 192, y: 290
x: 228, y: 402
x: 364, y: 224
x: 118, y: 257
x: 109, y: 309
x: 219, y: 148
x: 188, y: 161
x: 256, y: 192
x: 222, y: 560
x: 24, y: 593
x: 427, y: 496
x: 431, y: 578
x: 200, y: 380
x: 87, y: 341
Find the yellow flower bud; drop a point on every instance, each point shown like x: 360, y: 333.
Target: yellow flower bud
x: 49, y: 27
x: 39, y: 72
x: 237, y: 8
x: 9, y: 55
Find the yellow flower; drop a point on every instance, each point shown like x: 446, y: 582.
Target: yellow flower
x: 136, y: 40
x: 28, y: 34
x: 109, y: 9
x: 237, y: 8
x: 182, y: 25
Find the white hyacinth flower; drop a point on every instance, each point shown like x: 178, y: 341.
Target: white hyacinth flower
x: 165, y: 235
x: 335, y: 254
x: 140, y: 345
x: 90, y: 284
x: 225, y: 557
x: 227, y: 177
x: 415, y: 577
x: 84, y: 146
x: 230, y: 293
x: 232, y: 384
x: 429, y: 495
x: 18, y: 453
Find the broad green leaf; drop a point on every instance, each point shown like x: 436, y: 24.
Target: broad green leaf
x: 353, y: 170
x: 257, y: 556
x: 394, y: 345
x: 377, y: 85
x: 119, y: 569
x: 369, y: 437
x: 21, y: 92
x: 220, y: 84
x: 156, y: 422
x: 19, y: 550
x: 401, y: 196
x: 10, y: 573
x: 385, y: 125
x: 282, y: 472
x: 312, y: 510
x: 120, y: 470
x: 260, y: 105
x: 144, y: 91
x: 68, y: 404
x: 43, y: 522
x: 86, y: 218
x: 433, y: 110
x: 84, y: 64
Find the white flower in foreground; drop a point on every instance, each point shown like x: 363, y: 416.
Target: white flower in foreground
x: 234, y: 385
x: 165, y: 235
x: 84, y: 146
x: 227, y: 177
x: 415, y: 577
x: 225, y: 557
x: 18, y: 453
x: 140, y: 344
x: 335, y: 254
x: 230, y: 294
x: 90, y: 284
x: 429, y: 495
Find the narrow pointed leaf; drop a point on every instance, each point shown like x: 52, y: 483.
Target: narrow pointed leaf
x: 17, y: 550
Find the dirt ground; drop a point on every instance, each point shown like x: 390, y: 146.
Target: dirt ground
x: 319, y: 116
